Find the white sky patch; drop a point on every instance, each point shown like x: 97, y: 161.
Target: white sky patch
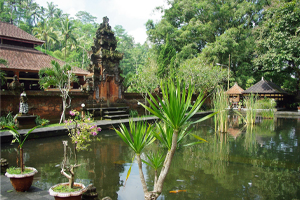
x: 140, y: 35
x: 132, y: 15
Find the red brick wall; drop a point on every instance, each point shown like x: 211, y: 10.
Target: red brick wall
x: 43, y: 103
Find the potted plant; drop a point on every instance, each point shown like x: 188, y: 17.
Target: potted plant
x: 21, y: 178
x: 80, y: 131
x: 298, y: 106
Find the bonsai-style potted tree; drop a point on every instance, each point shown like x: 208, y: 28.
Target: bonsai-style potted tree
x: 80, y: 131
x: 21, y: 178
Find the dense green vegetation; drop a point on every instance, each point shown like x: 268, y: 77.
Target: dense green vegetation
x: 250, y: 38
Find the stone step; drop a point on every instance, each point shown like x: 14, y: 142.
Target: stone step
x: 115, y: 112
x: 116, y: 116
x: 115, y: 108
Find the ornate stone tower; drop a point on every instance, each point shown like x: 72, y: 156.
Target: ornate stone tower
x: 105, y: 81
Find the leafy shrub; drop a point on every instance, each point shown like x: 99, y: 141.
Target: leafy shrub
x: 40, y: 121
x: 8, y: 120
x: 133, y: 113
x: 268, y: 106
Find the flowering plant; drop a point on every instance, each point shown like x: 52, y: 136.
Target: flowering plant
x: 80, y: 129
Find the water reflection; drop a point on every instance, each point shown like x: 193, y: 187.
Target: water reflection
x: 252, y: 162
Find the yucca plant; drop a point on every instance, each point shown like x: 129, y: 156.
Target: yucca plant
x: 174, y: 111
x: 137, y: 138
x: 156, y: 161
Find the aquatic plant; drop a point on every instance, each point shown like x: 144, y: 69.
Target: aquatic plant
x: 221, y: 103
x: 251, y: 106
x: 268, y: 108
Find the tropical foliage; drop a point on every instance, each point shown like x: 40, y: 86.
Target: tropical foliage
x: 192, y: 36
x: 20, y: 138
x: 61, y: 78
x: 175, y: 113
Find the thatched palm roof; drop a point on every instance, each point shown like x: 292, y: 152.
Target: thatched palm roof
x: 236, y: 89
x: 265, y: 87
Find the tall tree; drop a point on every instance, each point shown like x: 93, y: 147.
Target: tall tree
x: 278, y: 41
x: 51, y: 10
x: 201, y: 73
x: 166, y: 62
x: 67, y: 28
x: 86, y: 18
x: 216, y: 28
x: 45, y: 32
x: 60, y: 77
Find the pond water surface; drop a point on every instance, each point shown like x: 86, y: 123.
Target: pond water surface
x: 262, y: 162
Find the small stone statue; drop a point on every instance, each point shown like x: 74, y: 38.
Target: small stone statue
x: 15, y: 84
x: 23, y: 103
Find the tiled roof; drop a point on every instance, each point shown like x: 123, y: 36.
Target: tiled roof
x: 11, y: 31
x: 265, y: 87
x: 22, y: 58
x: 236, y: 89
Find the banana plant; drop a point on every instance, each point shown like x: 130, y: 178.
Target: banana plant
x: 21, y: 140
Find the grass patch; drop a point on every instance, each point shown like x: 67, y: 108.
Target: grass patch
x: 65, y: 188
x: 17, y: 170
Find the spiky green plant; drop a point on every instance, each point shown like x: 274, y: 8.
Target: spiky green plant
x: 156, y: 161
x: 174, y: 110
x: 220, y: 102
x: 137, y: 138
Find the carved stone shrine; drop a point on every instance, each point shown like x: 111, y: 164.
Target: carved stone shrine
x: 105, y: 83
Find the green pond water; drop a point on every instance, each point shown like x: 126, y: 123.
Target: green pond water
x: 262, y: 162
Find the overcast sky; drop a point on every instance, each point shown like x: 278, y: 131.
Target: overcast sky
x: 131, y: 14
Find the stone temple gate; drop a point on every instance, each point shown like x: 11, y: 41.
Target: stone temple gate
x: 104, y: 83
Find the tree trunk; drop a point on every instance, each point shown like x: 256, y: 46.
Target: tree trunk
x: 62, y: 117
x: 138, y: 158
x: 165, y: 169
x: 21, y: 160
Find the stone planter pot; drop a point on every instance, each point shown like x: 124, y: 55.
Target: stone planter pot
x: 70, y: 195
x: 22, y: 182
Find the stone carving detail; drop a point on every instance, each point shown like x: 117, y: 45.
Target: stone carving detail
x: 15, y: 84
x: 88, y: 86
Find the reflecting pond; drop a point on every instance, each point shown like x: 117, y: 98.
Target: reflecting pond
x: 260, y: 162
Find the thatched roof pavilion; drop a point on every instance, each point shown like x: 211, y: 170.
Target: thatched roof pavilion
x: 267, y: 89
x: 235, y: 94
